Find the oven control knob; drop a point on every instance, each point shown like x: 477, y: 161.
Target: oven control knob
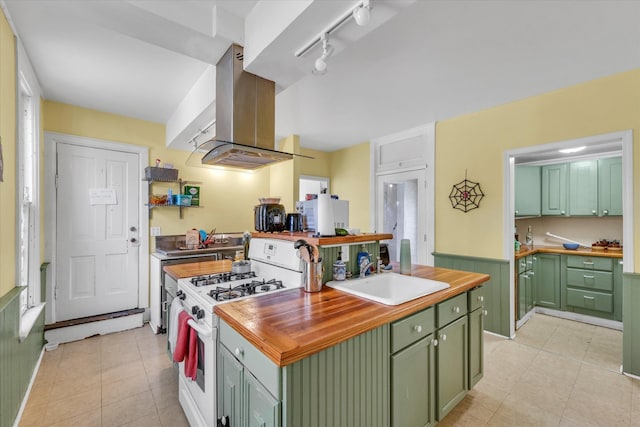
x: 181, y: 295
x: 200, y: 314
x: 194, y: 309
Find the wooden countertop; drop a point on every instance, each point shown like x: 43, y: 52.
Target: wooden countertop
x: 178, y: 271
x: 530, y: 250
x: 323, y: 241
x: 291, y: 325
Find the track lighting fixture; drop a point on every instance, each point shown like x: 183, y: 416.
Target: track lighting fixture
x: 327, y: 50
x: 362, y: 14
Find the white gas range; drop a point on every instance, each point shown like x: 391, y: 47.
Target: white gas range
x: 275, y: 267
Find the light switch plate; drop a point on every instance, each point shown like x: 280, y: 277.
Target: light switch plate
x: 155, y: 231
x: 345, y: 253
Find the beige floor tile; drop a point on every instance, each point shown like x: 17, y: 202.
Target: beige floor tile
x: 571, y: 343
x: 173, y: 416
x: 123, y: 371
x: 33, y: 415
x: 119, y: 355
x: 473, y: 410
x: 165, y: 395
x: 605, y: 356
x: 73, y: 385
x: 536, y: 332
x: 115, y: 391
x: 556, y: 365
x: 164, y: 377
x: 589, y: 409
x: 40, y: 391
x: 491, y: 342
x: 151, y: 420
x: 611, y: 388
x: 488, y: 394
x: 92, y: 418
x: 86, y: 346
x: 129, y: 409
x: 521, y: 413
x: 156, y: 363
x: 70, y: 407
x: 542, y: 398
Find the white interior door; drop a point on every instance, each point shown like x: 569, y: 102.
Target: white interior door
x: 97, y: 230
x: 402, y: 211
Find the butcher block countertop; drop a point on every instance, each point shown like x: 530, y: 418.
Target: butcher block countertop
x: 291, y: 325
x: 530, y: 250
x: 323, y: 241
x: 178, y: 271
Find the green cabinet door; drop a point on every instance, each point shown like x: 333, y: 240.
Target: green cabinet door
x: 583, y: 184
x: 547, y: 281
x: 617, y: 289
x: 554, y: 189
x: 230, y: 388
x: 528, y: 194
x: 452, y: 365
x: 525, y: 293
x: 261, y: 409
x: 610, y: 186
x: 476, y: 359
x: 413, y: 385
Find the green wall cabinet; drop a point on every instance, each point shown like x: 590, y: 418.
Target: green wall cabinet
x: 583, y: 184
x: 547, y: 281
x: 610, y: 186
x: 528, y: 188
x: 554, y: 189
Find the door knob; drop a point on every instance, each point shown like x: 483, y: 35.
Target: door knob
x: 134, y: 240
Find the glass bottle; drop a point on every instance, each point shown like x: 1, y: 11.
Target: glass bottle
x: 529, y: 237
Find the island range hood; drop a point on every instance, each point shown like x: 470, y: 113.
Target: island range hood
x: 245, y: 119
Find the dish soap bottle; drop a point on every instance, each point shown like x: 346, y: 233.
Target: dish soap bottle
x: 339, y: 268
x: 529, y: 237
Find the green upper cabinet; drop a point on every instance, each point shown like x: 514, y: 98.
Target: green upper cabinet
x: 583, y: 184
x: 527, y: 191
x: 554, y: 189
x: 610, y: 186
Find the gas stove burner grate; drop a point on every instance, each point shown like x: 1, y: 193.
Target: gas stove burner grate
x: 245, y: 289
x: 215, y: 279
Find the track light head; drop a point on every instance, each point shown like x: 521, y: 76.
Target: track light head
x: 321, y: 63
x: 362, y: 14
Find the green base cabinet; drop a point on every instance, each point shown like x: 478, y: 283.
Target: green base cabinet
x: 230, y: 393
x: 547, y: 281
x: 413, y: 385
x: 261, y: 409
x: 452, y: 365
x: 592, y: 286
x: 477, y: 314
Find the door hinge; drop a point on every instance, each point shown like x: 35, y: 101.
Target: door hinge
x: 55, y: 293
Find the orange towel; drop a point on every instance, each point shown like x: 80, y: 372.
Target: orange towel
x: 187, y: 346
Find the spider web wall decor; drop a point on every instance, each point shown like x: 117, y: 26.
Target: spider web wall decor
x: 466, y: 195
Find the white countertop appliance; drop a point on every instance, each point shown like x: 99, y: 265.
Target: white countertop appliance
x: 275, y: 267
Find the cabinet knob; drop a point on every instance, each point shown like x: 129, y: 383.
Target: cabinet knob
x: 561, y: 212
x: 435, y: 342
x: 239, y: 351
x: 594, y: 212
x: 456, y: 309
x: 417, y: 328
x: 443, y: 337
x: 480, y: 298
x: 605, y: 212
x: 485, y: 313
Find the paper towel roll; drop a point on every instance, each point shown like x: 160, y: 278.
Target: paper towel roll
x: 325, y: 226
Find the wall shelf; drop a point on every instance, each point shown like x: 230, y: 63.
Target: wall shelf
x: 181, y: 183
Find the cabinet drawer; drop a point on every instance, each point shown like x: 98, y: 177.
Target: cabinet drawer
x: 590, y: 263
x: 412, y: 328
x: 600, y: 280
x: 267, y: 372
x: 451, y: 309
x: 590, y: 300
x: 476, y: 298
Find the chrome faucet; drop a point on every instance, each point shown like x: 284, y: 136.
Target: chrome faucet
x: 365, y: 264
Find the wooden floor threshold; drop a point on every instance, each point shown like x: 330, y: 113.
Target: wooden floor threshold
x: 90, y: 319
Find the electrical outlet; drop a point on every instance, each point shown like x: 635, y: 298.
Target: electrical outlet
x: 345, y: 253
x: 155, y: 231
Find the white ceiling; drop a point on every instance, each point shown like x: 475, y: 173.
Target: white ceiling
x: 430, y: 60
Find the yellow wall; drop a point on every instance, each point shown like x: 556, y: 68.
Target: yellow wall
x: 8, y: 224
x: 350, y: 179
x: 476, y: 142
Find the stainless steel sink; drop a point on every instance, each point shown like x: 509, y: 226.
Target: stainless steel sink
x: 389, y: 288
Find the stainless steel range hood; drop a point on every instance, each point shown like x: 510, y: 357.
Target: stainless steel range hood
x: 245, y: 119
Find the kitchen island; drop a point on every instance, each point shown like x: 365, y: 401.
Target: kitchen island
x: 330, y: 358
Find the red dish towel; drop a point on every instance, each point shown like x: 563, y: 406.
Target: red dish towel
x: 187, y: 346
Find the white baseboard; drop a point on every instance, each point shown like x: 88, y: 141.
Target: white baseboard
x: 79, y: 332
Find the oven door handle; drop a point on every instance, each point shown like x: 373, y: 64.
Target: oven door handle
x: 198, y: 329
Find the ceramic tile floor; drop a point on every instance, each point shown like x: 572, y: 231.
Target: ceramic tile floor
x: 122, y: 379
x: 555, y: 373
